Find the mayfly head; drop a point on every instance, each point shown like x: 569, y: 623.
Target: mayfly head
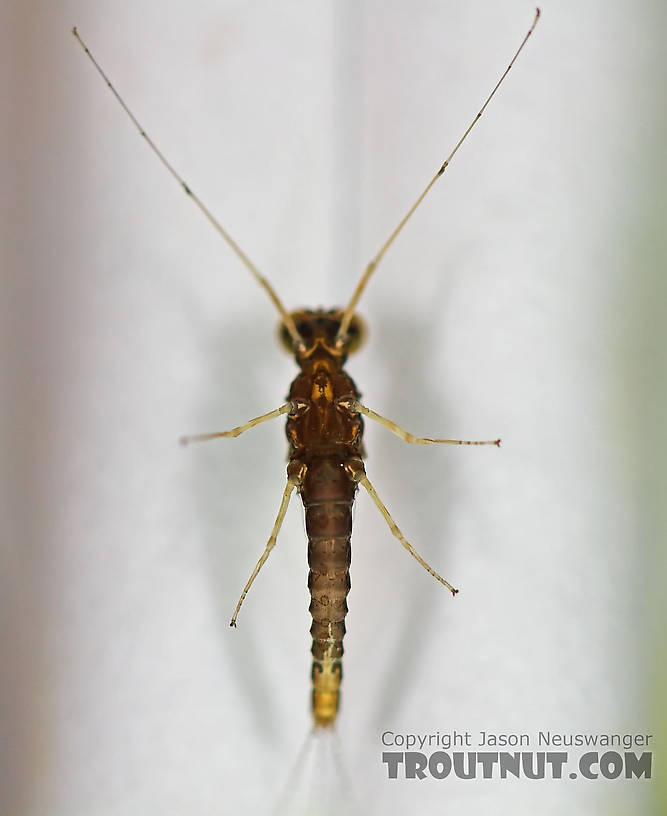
x: 319, y: 330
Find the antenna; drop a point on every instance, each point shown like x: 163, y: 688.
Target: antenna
x: 349, y: 310
x: 245, y: 260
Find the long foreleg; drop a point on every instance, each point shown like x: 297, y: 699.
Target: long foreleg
x: 294, y: 407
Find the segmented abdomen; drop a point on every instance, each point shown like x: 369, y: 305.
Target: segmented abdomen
x: 328, y: 495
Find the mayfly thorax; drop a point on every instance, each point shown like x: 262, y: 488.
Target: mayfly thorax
x: 324, y: 432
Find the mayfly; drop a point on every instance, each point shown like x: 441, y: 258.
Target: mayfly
x: 324, y: 431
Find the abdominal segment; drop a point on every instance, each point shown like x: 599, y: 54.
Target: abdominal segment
x: 328, y: 495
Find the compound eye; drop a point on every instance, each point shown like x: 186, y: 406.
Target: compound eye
x: 303, y: 326
x: 305, y: 329
x: 356, y: 334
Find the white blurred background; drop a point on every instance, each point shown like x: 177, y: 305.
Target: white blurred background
x: 525, y: 300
